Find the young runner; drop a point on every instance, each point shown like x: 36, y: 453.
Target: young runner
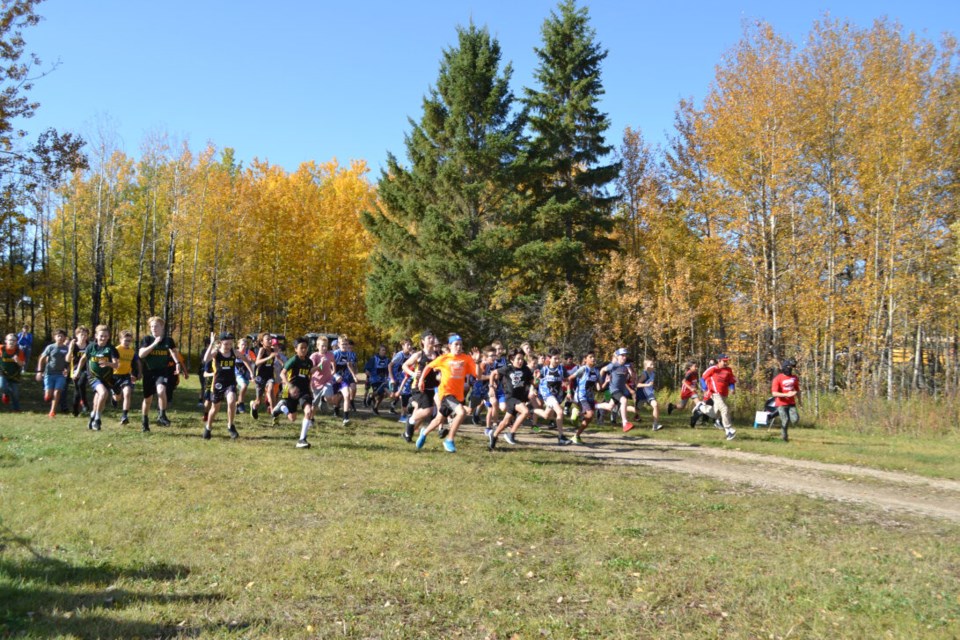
x: 454, y: 367
x: 77, y: 346
x: 646, y: 391
x: 12, y: 360
x: 102, y: 360
x: 516, y: 379
x: 720, y: 380
x: 479, y: 392
x: 621, y: 391
x: 244, y: 376
x: 52, y: 369
x: 400, y: 387
x: 160, y: 362
x: 688, y: 387
x: 423, y: 402
x: 321, y: 379
x: 126, y: 376
x: 264, y: 374
x: 551, y: 391
x: 297, y: 373
x: 25, y: 342
x: 345, y: 378
x: 585, y: 380
x: 223, y: 384
x: 786, y: 392
x: 378, y: 378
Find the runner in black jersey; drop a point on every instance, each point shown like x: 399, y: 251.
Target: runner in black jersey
x: 223, y: 384
x: 101, y: 359
x: 425, y: 402
x: 516, y: 379
x: 160, y: 362
x: 297, y: 371
x: 264, y: 374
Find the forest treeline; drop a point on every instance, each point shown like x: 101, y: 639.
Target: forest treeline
x: 805, y: 208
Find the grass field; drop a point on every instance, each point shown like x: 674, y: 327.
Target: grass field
x: 118, y: 535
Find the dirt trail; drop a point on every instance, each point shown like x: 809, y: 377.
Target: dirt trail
x: 889, y: 491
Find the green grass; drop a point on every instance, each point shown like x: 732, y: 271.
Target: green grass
x: 120, y: 535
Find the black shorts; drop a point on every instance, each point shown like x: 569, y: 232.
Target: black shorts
x: 219, y: 392
x: 263, y: 383
x: 121, y: 380
x: 425, y: 400
x: 513, y: 403
x: 617, y: 395
x: 161, y: 376
x: 449, y: 406
x: 301, y: 401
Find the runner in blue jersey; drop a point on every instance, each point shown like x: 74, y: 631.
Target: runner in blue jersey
x: 584, y: 380
x: 378, y: 378
x: 621, y: 389
x: 400, y: 383
x: 551, y: 391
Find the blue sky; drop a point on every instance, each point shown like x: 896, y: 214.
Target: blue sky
x: 292, y: 81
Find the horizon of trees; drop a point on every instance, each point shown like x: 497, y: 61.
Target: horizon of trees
x: 806, y: 209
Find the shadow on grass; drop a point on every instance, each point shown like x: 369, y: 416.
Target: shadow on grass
x: 48, y: 597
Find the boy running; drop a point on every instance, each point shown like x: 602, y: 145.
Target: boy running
x: 126, y: 376
x: 585, y: 380
x: 12, y: 361
x: 720, y: 380
x: 551, y: 390
x: 621, y: 391
x: 646, y: 392
x: 688, y: 387
x: 786, y: 389
x: 454, y: 367
x: 424, y: 400
x: 516, y: 379
x: 223, y: 384
x: 297, y: 372
x: 400, y: 388
x: 378, y: 378
x: 79, y: 376
x: 157, y: 353
x: 52, y: 369
x: 321, y: 379
x: 102, y: 360
x: 264, y: 374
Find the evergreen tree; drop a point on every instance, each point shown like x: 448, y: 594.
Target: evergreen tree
x: 567, y: 223
x: 439, y: 232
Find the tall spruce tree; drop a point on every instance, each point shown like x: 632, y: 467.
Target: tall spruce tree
x: 441, y: 241
x: 566, y: 225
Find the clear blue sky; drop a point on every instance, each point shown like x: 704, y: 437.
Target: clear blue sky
x: 315, y: 80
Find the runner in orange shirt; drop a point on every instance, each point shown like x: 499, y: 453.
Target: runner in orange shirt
x: 454, y: 367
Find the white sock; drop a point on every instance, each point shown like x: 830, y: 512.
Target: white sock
x: 304, y: 428
x: 284, y: 409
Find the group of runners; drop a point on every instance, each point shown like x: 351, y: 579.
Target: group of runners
x: 435, y: 387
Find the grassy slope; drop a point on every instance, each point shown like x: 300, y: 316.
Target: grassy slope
x: 113, y: 534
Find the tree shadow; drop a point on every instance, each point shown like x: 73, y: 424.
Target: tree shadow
x: 42, y: 596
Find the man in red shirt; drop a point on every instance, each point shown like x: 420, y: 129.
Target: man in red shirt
x: 720, y: 379
x: 786, y: 389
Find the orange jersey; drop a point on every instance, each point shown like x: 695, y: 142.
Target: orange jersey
x: 454, y: 370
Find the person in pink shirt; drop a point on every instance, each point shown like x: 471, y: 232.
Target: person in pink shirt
x: 321, y: 380
x: 786, y: 392
x: 720, y: 380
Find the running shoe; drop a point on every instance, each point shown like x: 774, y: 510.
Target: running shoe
x: 448, y: 445
x: 52, y: 414
x: 375, y: 410
x: 491, y: 440
x: 206, y: 434
x: 657, y: 426
x: 254, y: 413
x: 576, y: 440
x: 564, y: 440
x: 97, y: 424
x: 145, y: 429
x: 731, y: 434
x: 421, y: 439
x: 670, y: 408
x: 475, y: 419
x: 444, y: 431
x: 510, y: 438
x: 232, y: 430
x: 163, y: 421
x: 408, y: 432
x: 124, y: 420
x: 627, y: 426
x: 303, y: 444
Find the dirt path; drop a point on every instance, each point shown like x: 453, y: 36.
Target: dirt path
x: 889, y: 491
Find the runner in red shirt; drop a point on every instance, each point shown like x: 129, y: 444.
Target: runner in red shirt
x: 688, y: 386
x: 786, y: 391
x: 720, y: 379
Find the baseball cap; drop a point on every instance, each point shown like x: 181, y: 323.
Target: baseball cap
x: 723, y: 356
x: 454, y: 338
x: 226, y: 335
x: 621, y: 352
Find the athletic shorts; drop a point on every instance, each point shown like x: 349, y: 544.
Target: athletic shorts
x: 153, y: 378
x: 617, y: 395
x: 54, y: 382
x: 685, y: 395
x: 513, y: 403
x: 242, y: 378
x: 97, y: 382
x: 553, y: 402
x: 449, y: 405
x: 326, y: 391
x: 641, y: 397
x: 380, y: 388
x: 120, y: 381
x: 219, y: 392
x: 263, y: 383
x: 303, y: 400
x: 425, y: 399
x: 587, y: 403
